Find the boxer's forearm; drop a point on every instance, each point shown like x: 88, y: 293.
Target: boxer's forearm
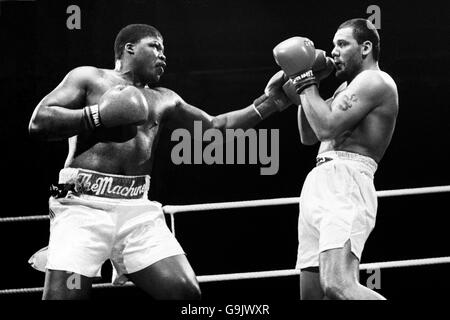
x: 244, y: 118
x: 185, y: 115
x: 56, y: 123
x: 318, y: 113
x: 307, y: 135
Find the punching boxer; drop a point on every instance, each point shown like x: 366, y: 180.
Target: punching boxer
x: 338, y: 202
x: 100, y: 210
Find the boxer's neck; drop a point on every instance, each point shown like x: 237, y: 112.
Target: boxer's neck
x: 126, y: 72
x: 366, y: 65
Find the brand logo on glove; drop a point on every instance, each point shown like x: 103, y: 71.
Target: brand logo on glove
x: 303, y: 76
x: 95, y: 115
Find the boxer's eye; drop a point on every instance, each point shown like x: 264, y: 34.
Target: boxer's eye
x: 157, y: 46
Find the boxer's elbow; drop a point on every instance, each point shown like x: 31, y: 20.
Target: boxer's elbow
x: 35, y: 127
x: 323, y: 135
x: 40, y: 125
x: 37, y: 130
x: 218, y: 123
x: 307, y: 136
x: 308, y: 141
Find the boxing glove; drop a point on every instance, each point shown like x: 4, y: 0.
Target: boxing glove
x: 322, y: 68
x: 120, y: 105
x: 296, y: 57
x: 273, y: 99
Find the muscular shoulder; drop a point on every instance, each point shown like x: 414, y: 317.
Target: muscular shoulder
x: 374, y: 82
x: 337, y: 91
x: 86, y: 72
x: 170, y: 97
x: 165, y: 91
x: 83, y: 76
x: 375, y: 87
x: 167, y: 100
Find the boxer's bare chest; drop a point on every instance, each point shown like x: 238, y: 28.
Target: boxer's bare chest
x: 108, y: 79
x: 126, y: 146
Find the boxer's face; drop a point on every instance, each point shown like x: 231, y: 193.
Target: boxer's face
x: 347, y: 54
x: 149, y: 59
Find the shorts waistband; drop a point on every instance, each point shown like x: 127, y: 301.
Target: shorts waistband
x: 345, y: 155
x: 89, y: 182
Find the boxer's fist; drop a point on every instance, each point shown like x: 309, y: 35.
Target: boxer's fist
x: 120, y: 105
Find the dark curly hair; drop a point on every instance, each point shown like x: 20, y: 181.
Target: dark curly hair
x: 133, y: 33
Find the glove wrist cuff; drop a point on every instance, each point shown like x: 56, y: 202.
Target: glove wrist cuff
x: 304, y: 80
x: 266, y: 105
x: 91, y: 117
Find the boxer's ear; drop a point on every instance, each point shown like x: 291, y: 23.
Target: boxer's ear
x: 129, y: 47
x: 366, y: 48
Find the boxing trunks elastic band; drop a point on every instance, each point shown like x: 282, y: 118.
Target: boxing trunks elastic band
x: 345, y: 155
x: 322, y: 160
x: 88, y: 182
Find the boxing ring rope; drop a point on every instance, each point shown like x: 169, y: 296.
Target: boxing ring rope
x: 260, y: 274
x: 174, y: 209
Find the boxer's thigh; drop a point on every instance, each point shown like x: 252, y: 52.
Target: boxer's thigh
x: 64, y: 285
x: 169, y: 278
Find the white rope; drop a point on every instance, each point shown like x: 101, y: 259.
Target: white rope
x: 248, y: 275
x: 293, y: 200
x: 293, y: 272
x: 262, y: 274
x: 24, y: 218
x: 229, y: 205
x: 21, y: 290
x: 404, y: 263
x: 410, y: 191
x: 171, y: 209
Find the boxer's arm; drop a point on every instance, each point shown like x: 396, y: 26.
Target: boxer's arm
x: 360, y: 97
x: 59, y: 115
x: 273, y: 100
x: 184, y: 115
x: 307, y: 135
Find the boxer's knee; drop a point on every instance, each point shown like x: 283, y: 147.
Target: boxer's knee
x: 192, y: 292
x: 186, y: 289
x: 337, y: 286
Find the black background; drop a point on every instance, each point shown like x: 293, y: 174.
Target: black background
x: 219, y: 59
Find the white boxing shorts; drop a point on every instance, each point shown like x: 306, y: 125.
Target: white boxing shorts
x: 105, y: 216
x: 338, y: 202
